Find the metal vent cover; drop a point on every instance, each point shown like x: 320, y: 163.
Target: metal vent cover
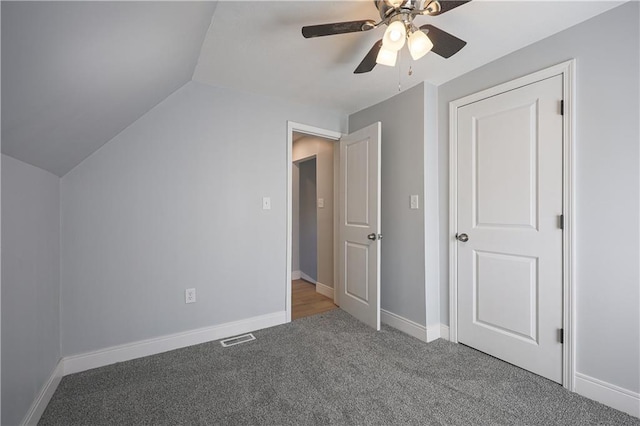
x: 236, y: 340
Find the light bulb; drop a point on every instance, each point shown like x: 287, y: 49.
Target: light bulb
x: 395, y: 36
x: 419, y: 45
x: 386, y: 57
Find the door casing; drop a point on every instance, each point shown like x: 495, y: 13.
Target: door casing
x: 567, y: 70
x: 313, y: 131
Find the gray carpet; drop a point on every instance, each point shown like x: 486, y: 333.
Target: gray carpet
x: 327, y: 369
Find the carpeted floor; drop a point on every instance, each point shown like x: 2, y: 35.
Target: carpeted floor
x: 326, y: 369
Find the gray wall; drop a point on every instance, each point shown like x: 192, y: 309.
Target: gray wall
x: 403, y: 247
x: 431, y: 206
x: 30, y: 284
x: 607, y: 182
x: 323, y: 150
x: 308, y: 219
x: 0, y: 244
x: 175, y: 201
x: 295, y: 218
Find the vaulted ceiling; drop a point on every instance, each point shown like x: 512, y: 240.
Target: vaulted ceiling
x: 257, y: 46
x: 75, y: 74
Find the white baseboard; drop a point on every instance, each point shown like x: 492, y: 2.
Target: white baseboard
x: 608, y: 394
x: 307, y: 278
x: 295, y: 275
x: 426, y: 334
x: 444, y: 332
x: 324, y: 290
x: 107, y: 356
x: 42, y: 400
x: 405, y: 325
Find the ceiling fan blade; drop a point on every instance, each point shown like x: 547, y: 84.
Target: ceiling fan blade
x: 369, y: 61
x: 447, y: 5
x: 444, y: 44
x: 337, y: 28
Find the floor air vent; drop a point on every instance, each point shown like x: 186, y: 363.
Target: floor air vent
x: 237, y: 340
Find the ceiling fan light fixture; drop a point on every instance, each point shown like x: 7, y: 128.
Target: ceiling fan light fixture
x: 432, y: 7
x: 387, y: 57
x: 419, y: 45
x: 394, y: 36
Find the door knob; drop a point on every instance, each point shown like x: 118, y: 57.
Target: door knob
x: 462, y: 237
x: 372, y: 237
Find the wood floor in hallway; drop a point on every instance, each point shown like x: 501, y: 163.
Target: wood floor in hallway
x: 305, y: 301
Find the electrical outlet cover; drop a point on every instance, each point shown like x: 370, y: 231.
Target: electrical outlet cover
x: 190, y: 295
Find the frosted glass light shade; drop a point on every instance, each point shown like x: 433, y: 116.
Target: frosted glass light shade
x: 419, y: 45
x: 387, y: 57
x: 394, y: 36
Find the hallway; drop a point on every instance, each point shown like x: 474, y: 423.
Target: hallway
x: 306, y: 301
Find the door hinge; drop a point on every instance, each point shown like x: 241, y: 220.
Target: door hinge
x: 561, y: 221
x: 561, y: 335
x: 562, y: 107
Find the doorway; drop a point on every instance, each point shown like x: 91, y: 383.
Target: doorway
x: 356, y: 208
x: 305, y: 219
x: 312, y: 245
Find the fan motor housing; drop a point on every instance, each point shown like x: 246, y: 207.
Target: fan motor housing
x: 388, y: 8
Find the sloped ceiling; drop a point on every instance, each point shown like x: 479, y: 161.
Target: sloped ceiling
x: 258, y: 46
x: 74, y: 74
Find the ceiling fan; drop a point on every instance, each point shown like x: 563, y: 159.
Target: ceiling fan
x: 398, y: 16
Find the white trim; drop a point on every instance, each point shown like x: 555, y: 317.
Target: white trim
x: 567, y: 70
x: 324, y: 290
x: 444, y: 331
x: 336, y: 223
x: 296, y: 275
x: 433, y: 332
x: 44, y: 396
x: 568, y: 236
x: 307, y: 278
x: 405, y: 325
x: 309, y: 130
x: 142, y: 348
x: 608, y: 394
x: 303, y: 159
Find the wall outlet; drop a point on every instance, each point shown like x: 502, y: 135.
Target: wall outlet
x: 190, y: 295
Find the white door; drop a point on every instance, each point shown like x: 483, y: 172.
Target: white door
x: 509, y: 205
x: 359, y: 248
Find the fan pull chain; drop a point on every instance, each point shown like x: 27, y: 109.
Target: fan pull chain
x: 409, y: 72
x: 399, y: 71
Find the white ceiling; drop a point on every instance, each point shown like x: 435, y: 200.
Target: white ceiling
x: 258, y: 46
x: 74, y: 74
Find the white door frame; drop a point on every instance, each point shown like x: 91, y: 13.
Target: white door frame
x: 313, y: 131
x: 567, y: 70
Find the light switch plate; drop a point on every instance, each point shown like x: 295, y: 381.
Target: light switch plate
x: 320, y: 203
x: 266, y: 203
x: 414, y: 202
